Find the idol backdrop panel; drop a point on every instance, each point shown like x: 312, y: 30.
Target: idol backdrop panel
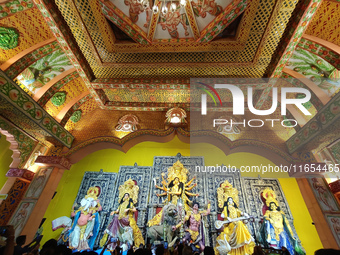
x: 107, y: 184
x: 253, y: 188
x: 162, y: 164
x: 141, y: 175
x: 160, y: 167
x: 205, y: 185
x: 214, y: 181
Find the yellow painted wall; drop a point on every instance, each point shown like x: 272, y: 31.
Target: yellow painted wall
x: 109, y: 160
x: 5, y: 159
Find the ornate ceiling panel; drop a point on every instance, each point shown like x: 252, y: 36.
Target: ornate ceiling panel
x: 326, y: 23
x: 314, y: 68
x: 65, y: 95
x: 43, y: 70
x: 31, y: 28
x: 86, y: 107
x: 246, y: 54
x: 57, y: 86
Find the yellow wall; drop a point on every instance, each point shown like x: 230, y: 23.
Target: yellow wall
x: 5, y: 159
x: 109, y: 160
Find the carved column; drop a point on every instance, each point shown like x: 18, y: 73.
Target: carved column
x: 43, y: 190
x: 321, y: 225
x: 19, y: 180
x: 335, y: 188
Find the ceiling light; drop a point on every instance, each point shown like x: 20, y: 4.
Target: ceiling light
x: 164, y: 9
x: 155, y: 9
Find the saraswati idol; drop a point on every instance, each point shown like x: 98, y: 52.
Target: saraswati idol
x: 123, y: 225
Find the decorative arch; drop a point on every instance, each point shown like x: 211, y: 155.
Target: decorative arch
x: 13, y: 147
x: 265, y: 150
x: 87, y: 147
x: 274, y: 154
x: 21, y: 144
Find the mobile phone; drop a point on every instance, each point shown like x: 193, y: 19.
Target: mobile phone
x: 3, y: 230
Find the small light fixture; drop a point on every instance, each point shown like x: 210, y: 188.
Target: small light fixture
x: 146, y: 4
x: 175, y: 117
x: 127, y: 123
x: 155, y: 9
x: 173, y: 7
x: 164, y: 10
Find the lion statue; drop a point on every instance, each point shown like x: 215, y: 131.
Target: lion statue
x: 164, y: 230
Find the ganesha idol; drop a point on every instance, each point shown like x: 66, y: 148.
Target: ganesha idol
x: 82, y: 232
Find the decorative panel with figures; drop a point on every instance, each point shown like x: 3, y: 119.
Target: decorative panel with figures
x: 214, y: 181
x: 145, y: 196
x: 107, y: 184
x: 258, y: 206
x: 161, y: 166
x: 141, y: 175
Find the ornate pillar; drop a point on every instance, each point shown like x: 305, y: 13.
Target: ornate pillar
x: 15, y: 188
x: 335, y: 188
x: 321, y: 225
x: 39, y: 194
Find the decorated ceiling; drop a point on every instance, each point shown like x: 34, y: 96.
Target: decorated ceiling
x: 86, y: 62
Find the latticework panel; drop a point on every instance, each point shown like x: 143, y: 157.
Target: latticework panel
x: 326, y: 23
x: 85, y: 108
x: 72, y: 90
x: 250, y: 59
x: 32, y: 29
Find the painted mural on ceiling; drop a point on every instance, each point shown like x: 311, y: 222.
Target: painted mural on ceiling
x: 316, y: 69
x: 206, y: 10
x: 42, y: 71
x: 174, y: 19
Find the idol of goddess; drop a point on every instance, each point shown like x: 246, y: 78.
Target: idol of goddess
x: 235, y: 237
x: 123, y: 225
x: 195, y: 232
x: 276, y: 231
x: 174, y: 188
x: 85, y: 228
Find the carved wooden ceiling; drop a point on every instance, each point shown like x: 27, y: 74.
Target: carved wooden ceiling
x: 192, y: 41
x: 76, y: 57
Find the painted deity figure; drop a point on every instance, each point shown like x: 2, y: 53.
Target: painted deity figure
x: 171, y: 19
x: 38, y: 184
x: 203, y: 6
x: 323, y: 195
x: 174, y: 188
x: 136, y: 8
x: 123, y: 225
x: 235, y: 237
x: 20, y: 218
x: 85, y: 227
x: 276, y: 231
x: 194, y: 233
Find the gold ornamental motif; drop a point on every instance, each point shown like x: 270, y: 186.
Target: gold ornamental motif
x: 130, y: 188
x: 225, y: 191
x: 270, y: 196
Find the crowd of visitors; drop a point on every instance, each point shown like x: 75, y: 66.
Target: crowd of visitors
x: 16, y: 246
